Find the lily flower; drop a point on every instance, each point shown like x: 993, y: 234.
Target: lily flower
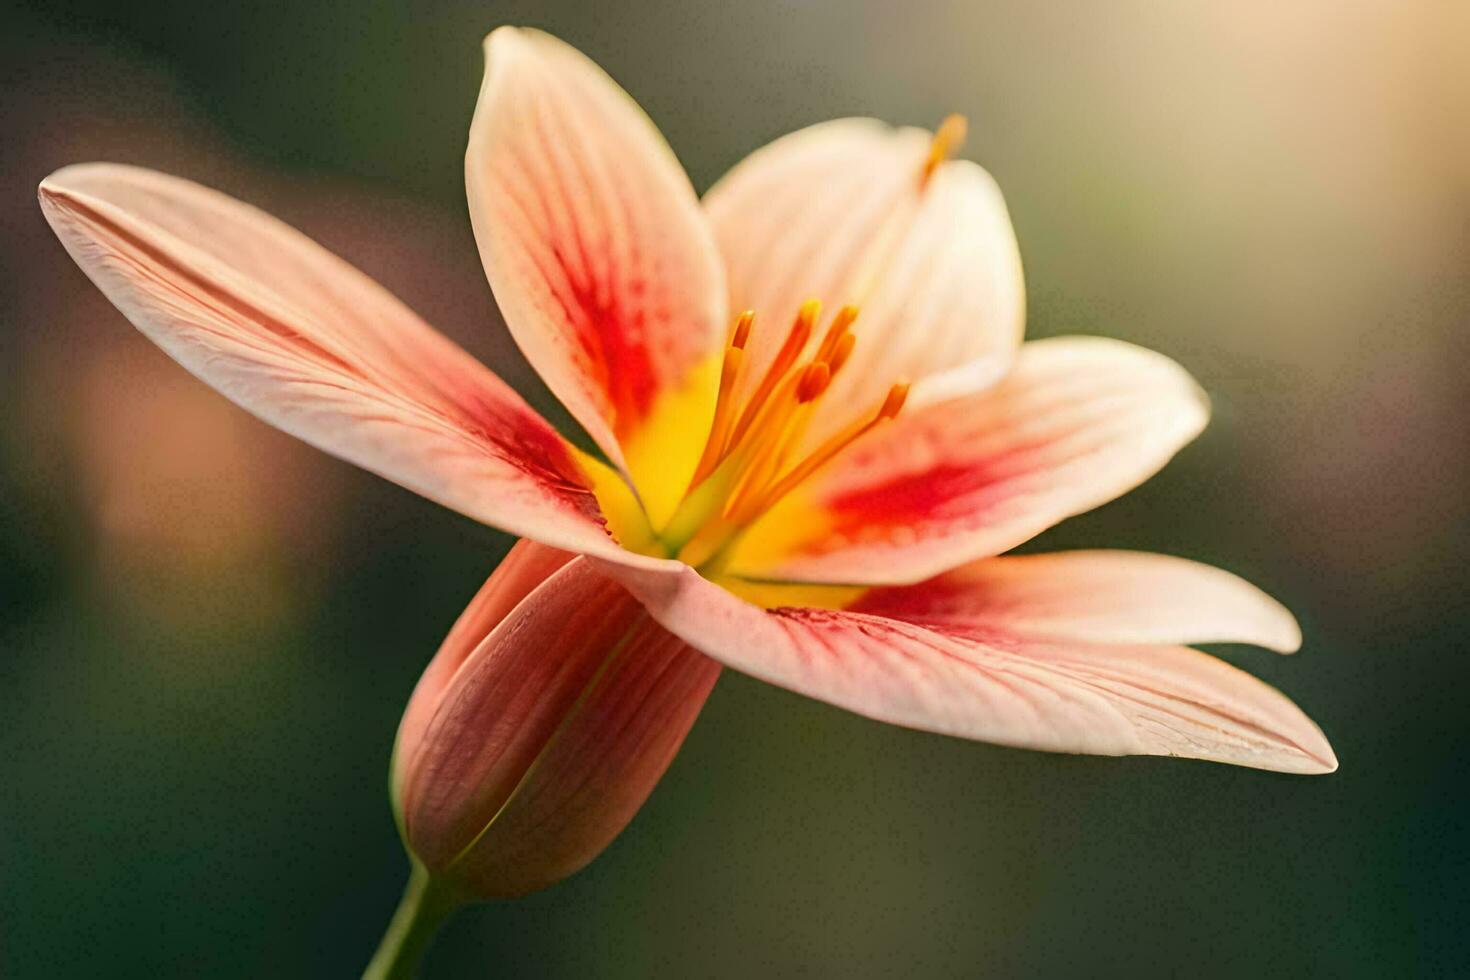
x: 818, y: 428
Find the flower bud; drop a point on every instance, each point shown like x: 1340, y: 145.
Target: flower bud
x: 551, y: 710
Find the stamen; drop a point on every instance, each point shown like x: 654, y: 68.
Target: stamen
x: 947, y: 140
x: 719, y: 430
x: 814, y: 380
x: 836, y: 331
x: 796, y: 341
x: 740, y: 331
x: 762, y: 455
x: 893, y: 404
x: 772, y: 419
x: 841, y: 353
x: 755, y: 506
x: 744, y: 470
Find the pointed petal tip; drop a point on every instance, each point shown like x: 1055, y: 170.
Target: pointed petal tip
x: 1313, y: 755
x: 88, y: 183
x: 1320, y: 751
x: 68, y: 179
x: 509, y: 35
x: 508, y: 43
x: 1315, y: 763
x: 1288, y: 633
x: 54, y: 185
x: 309, y: 344
x: 52, y: 182
x: 47, y: 187
x: 61, y: 191
x: 502, y: 35
x: 554, y: 134
x: 1278, y: 629
x: 1204, y: 406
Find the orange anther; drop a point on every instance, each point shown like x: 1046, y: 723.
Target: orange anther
x: 796, y: 341
x: 893, y: 404
x: 841, y: 352
x: 947, y: 139
x: 814, y: 380
x: 740, y: 333
x: 746, y: 466
x: 840, y: 324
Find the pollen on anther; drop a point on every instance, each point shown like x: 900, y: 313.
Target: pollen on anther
x: 814, y: 380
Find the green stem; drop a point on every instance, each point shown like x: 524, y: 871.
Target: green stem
x: 426, y: 903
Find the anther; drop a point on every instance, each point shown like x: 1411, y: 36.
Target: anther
x: 947, y: 140
x: 745, y: 468
x: 814, y: 380
x: 840, y: 324
x: 724, y: 415
x: 893, y: 404
x: 740, y: 333
x: 796, y: 341
x: 841, y: 352
x: 755, y: 505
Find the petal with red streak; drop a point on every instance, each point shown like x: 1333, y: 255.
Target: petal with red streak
x: 1076, y: 423
x: 301, y: 339
x: 1115, y: 597
x: 592, y: 239
x: 994, y: 686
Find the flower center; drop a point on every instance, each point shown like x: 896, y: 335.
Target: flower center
x: 750, y: 459
x: 755, y: 453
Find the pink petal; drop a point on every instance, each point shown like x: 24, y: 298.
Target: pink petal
x: 309, y: 344
x: 526, y: 566
x: 1116, y: 597
x: 592, y: 238
x: 838, y: 212
x: 549, y: 736
x: 993, y: 686
x: 1076, y: 423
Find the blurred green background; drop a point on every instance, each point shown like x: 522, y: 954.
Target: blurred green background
x: 209, y: 631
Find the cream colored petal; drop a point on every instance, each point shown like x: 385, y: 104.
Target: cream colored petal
x: 991, y: 685
x: 1108, y: 597
x: 594, y: 244
x: 1076, y: 423
x: 301, y: 339
x: 840, y: 212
